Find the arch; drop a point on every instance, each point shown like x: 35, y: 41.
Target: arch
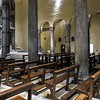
x: 71, y: 20
x: 45, y: 26
x: 59, y: 26
x: 92, y: 15
x: 94, y: 29
x: 57, y: 20
x: 45, y: 36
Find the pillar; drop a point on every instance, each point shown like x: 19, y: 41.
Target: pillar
x: 81, y: 37
x: 32, y: 30
x: 12, y: 20
x: 39, y: 40
x: 51, y: 40
x: 68, y: 38
x: 5, y: 28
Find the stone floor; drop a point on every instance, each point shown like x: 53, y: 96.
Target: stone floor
x: 42, y: 95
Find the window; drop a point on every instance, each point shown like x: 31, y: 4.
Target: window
x: 91, y: 48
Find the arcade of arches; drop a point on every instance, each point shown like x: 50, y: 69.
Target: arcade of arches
x: 45, y: 26
x: 56, y: 22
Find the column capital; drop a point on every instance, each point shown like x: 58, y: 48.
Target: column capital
x: 39, y: 31
x: 51, y: 29
x: 68, y: 26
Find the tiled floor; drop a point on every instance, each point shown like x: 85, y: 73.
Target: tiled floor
x: 43, y: 95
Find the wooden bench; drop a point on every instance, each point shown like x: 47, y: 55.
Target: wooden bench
x: 4, y: 64
x: 15, y: 91
x: 15, y: 71
x: 95, y: 84
x: 60, y: 76
x: 74, y: 92
x: 88, y: 87
x: 81, y: 97
x: 69, y: 94
x: 40, y: 72
x: 85, y: 89
x: 3, y: 59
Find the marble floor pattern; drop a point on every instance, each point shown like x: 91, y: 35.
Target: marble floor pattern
x: 42, y: 95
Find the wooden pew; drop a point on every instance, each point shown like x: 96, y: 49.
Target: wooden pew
x: 16, y: 90
x: 4, y: 60
x: 81, y: 97
x: 69, y: 94
x: 88, y: 87
x: 15, y: 71
x: 4, y: 64
x: 61, y: 75
x: 39, y: 71
x: 85, y: 90
x: 95, y: 84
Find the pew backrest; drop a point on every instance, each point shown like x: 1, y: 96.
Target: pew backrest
x: 60, y: 76
x: 16, y: 90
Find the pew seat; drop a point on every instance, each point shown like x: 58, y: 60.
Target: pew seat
x: 15, y: 91
x: 17, y: 98
x: 86, y: 89
x: 60, y: 76
x: 69, y: 94
x: 38, y: 89
x: 35, y: 74
x: 81, y: 97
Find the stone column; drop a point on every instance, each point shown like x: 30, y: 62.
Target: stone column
x: 39, y: 40
x: 5, y: 28
x: 68, y: 38
x: 51, y: 40
x: 12, y: 20
x: 32, y: 30
x: 81, y: 37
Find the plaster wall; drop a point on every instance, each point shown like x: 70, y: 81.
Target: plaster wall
x: 21, y: 24
x: 21, y: 30
x: 95, y: 33
x: 18, y: 24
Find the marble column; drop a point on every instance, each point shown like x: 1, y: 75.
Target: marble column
x: 51, y: 40
x: 39, y: 40
x: 81, y: 37
x: 32, y: 30
x: 5, y: 28
x: 68, y: 38
x: 12, y: 20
